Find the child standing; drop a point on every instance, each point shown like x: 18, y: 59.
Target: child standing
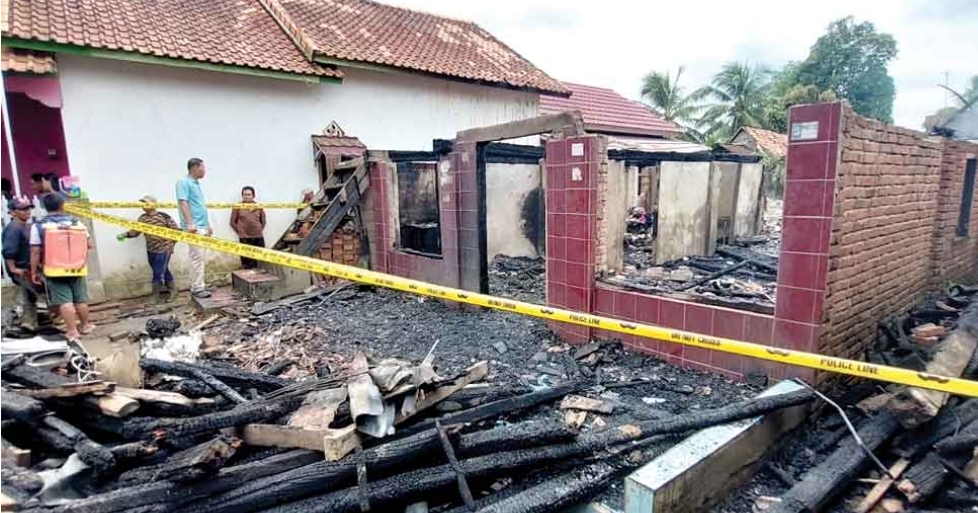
x: 158, y: 249
x: 249, y: 224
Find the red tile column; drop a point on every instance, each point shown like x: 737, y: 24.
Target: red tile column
x: 572, y: 168
x: 809, y: 199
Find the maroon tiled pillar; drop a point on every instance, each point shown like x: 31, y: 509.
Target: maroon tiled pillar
x: 470, y: 230
x: 448, y: 273
x: 809, y: 198
x: 572, y: 167
x: 380, y: 247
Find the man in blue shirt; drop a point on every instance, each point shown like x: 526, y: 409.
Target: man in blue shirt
x: 193, y: 218
x: 17, y: 257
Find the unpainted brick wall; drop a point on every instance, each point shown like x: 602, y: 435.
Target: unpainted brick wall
x: 343, y: 247
x: 880, y: 257
x: 955, y: 257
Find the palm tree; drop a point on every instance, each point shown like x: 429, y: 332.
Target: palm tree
x: 663, y: 93
x: 738, y: 93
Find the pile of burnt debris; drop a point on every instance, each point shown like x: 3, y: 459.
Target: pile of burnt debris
x: 366, y: 434
x: 518, y: 278
x: 735, y: 276
x: 917, y: 450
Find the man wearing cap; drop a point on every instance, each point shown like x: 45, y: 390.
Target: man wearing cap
x: 17, y: 256
x: 158, y: 249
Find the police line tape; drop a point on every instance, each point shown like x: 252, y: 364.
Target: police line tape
x: 867, y: 370
x: 166, y: 204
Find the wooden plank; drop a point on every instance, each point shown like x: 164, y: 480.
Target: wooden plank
x: 7, y: 503
x: 157, y: 396
x: 576, y: 402
x: 878, y: 491
x: 69, y: 390
x: 115, y: 405
x: 274, y: 435
x: 694, y: 474
x: 331, y: 218
x: 20, y: 457
x: 523, y: 128
x: 339, y: 442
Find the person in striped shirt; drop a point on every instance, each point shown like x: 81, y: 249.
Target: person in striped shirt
x: 158, y: 249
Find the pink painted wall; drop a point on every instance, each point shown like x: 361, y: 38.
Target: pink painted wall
x: 36, y: 129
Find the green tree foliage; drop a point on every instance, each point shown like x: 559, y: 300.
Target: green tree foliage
x: 785, y: 91
x: 850, y: 60
x: 736, y: 97
x: 664, y: 94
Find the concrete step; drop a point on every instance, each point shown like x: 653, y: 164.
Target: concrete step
x: 256, y: 284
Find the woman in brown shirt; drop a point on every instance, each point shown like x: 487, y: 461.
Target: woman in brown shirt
x: 249, y: 224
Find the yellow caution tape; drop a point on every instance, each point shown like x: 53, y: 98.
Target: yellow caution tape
x: 786, y: 356
x: 164, y: 204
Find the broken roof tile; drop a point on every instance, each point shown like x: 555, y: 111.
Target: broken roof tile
x: 23, y: 61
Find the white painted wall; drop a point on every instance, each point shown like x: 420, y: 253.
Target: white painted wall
x: 684, y: 209
x: 507, y: 187
x: 131, y: 127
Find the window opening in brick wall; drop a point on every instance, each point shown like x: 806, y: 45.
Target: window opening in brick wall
x: 418, y: 209
x: 967, y: 197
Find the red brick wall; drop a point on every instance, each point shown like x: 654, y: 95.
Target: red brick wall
x: 344, y: 246
x: 883, y: 230
x: 955, y: 258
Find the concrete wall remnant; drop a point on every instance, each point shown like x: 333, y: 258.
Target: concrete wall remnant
x: 686, y: 200
x: 508, y: 189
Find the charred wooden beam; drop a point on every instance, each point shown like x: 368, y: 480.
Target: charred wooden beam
x: 93, y: 454
x: 522, y: 435
x: 966, y: 439
x: 171, y: 428
x: 560, y: 493
x: 463, y: 485
x: 170, y: 495
x: 923, y: 479
x: 415, y: 484
x: 20, y: 407
x: 496, y: 408
x: 320, y: 476
x: 945, y: 424
x: 201, y: 460
x: 277, y: 367
x: 232, y: 376
x: 828, y: 479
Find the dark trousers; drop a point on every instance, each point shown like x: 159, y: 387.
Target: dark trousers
x: 160, y: 262
x: 249, y: 263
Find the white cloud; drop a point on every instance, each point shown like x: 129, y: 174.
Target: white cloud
x: 613, y: 43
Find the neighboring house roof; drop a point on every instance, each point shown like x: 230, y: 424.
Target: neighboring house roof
x: 609, y: 112
x: 655, y: 145
x: 237, y: 33
x: 770, y: 143
x: 21, y: 61
x: 369, y: 32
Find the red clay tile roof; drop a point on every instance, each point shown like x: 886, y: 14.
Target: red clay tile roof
x: 22, y: 61
x: 772, y: 143
x: 237, y: 33
x: 369, y: 32
x: 607, y: 111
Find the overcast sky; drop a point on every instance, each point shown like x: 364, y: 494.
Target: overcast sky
x: 613, y: 43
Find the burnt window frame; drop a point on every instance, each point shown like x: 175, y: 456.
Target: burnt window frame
x: 401, y: 166
x: 967, y: 198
